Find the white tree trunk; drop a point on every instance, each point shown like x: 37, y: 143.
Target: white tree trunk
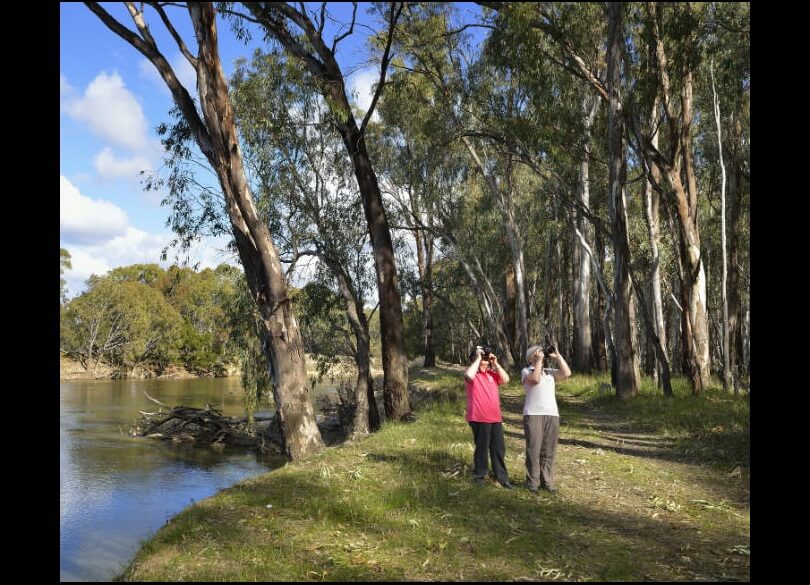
x: 651, y: 213
x: 583, y: 349
x: 726, y: 353
x: 515, y: 247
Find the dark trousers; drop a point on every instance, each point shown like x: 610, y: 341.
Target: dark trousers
x: 489, y: 442
x: 541, y: 446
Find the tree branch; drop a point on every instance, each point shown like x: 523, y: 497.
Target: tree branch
x: 384, y: 63
x: 339, y: 38
x: 180, y: 43
x: 180, y: 94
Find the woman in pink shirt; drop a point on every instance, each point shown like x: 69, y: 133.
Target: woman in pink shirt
x: 482, y: 379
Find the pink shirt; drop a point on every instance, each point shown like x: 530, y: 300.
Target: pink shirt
x: 483, y: 400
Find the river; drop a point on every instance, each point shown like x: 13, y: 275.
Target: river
x: 115, y: 490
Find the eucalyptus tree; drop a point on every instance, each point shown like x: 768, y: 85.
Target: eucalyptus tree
x: 672, y: 33
x: 306, y: 187
x: 213, y: 129
x: 555, y: 132
x: 64, y: 264
x: 726, y: 65
x: 567, y: 51
x: 413, y: 168
x: 301, y: 33
x: 445, y: 187
x: 458, y: 91
x: 121, y: 323
x: 626, y: 378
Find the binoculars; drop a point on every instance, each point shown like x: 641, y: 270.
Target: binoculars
x: 486, y: 351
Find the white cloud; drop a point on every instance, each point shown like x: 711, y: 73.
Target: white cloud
x: 109, y: 167
x: 132, y: 246
x: 135, y: 246
x: 83, y: 220
x: 362, y: 91
x: 66, y: 91
x: 110, y: 110
x: 83, y: 264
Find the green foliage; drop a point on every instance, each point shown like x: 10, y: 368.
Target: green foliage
x: 143, y: 314
x: 246, y: 338
x: 123, y: 323
x: 64, y: 264
x: 324, y: 326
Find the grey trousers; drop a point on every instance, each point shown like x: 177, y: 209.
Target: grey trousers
x: 541, y: 445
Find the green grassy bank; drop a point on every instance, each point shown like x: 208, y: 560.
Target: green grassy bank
x: 649, y: 489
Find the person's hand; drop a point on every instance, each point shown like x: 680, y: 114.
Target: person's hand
x: 493, y: 359
x: 480, y: 351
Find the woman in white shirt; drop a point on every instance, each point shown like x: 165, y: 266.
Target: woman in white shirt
x: 541, y: 418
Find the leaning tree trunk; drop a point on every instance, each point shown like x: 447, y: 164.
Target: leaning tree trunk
x: 258, y: 254
x: 515, y: 247
x: 626, y: 381
x: 217, y: 139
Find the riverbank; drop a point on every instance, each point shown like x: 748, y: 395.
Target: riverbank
x: 70, y: 369
x: 649, y: 490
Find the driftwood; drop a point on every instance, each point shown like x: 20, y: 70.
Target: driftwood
x: 208, y: 426
x: 203, y: 426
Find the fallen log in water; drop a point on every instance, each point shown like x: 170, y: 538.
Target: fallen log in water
x: 203, y: 426
x: 208, y: 426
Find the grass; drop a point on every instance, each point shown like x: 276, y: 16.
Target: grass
x: 643, y: 496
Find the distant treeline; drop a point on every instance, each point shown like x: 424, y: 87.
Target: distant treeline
x: 144, y: 315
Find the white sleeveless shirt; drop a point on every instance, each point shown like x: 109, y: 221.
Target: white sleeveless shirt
x: 540, y: 397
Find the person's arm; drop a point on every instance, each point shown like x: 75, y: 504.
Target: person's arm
x: 501, y: 372
x: 537, y: 361
x: 471, y: 371
x: 564, y: 371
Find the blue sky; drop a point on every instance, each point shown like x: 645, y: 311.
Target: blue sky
x: 111, y: 100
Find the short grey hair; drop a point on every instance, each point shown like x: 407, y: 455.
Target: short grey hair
x: 531, y: 351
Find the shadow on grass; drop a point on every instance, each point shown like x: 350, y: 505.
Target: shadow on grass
x: 514, y: 533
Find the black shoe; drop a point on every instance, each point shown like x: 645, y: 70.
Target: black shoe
x: 550, y: 490
x: 479, y: 481
x: 534, y: 490
x: 507, y: 486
